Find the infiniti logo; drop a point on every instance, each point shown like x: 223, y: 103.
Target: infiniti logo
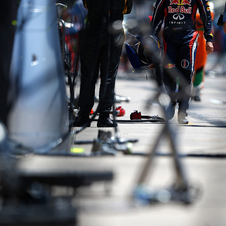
x: 178, y: 16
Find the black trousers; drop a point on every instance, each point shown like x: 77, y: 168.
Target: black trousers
x: 100, y: 53
x: 180, y: 52
x: 8, y: 12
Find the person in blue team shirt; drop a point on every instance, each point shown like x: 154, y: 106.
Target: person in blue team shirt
x: 180, y: 38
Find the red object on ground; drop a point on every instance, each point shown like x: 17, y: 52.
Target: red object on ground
x: 120, y: 111
x: 137, y: 115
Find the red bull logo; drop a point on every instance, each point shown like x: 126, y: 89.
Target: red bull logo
x: 186, y: 2
x: 180, y: 2
x: 181, y: 6
x: 169, y: 66
x: 174, y: 2
x: 179, y: 9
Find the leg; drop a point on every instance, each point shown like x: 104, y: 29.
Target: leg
x: 107, y: 94
x: 169, y: 64
x: 197, y: 83
x: 116, y: 42
x: 187, y: 56
x: 108, y: 98
x: 89, y: 57
x: 90, y: 61
x: 89, y: 72
x: 201, y: 57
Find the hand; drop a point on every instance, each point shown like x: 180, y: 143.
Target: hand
x: 209, y: 47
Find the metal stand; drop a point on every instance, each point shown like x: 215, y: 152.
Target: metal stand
x: 34, y: 215
x: 26, y: 197
x: 180, y: 191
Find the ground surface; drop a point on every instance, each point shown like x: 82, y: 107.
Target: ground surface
x: 110, y: 204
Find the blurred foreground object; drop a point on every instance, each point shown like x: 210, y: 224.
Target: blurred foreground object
x: 8, y: 12
x: 39, y: 110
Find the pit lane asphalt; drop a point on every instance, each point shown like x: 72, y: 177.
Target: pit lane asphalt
x: 205, y: 135
x: 110, y: 204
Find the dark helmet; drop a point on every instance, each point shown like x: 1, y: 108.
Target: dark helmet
x: 146, y: 54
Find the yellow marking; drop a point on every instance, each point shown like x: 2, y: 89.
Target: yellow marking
x: 77, y: 150
x: 14, y: 22
x: 129, y: 146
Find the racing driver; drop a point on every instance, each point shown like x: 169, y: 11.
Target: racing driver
x: 180, y: 38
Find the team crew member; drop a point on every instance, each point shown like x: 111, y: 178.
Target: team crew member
x: 94, y: 57
x: 201, y: 58
x: 180, y: 37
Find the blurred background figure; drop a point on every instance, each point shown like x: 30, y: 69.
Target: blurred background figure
x: 201, y: 57
x: 74, y: 17
x: 224, y: 19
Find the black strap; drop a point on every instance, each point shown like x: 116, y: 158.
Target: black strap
x: 220, y: 20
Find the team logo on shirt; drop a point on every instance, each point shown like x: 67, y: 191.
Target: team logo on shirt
x: 178, y: 16
x: 184, y: 63
x: 169, y: 66
x: 180, y: 6
x: 180, y: 2
x: 208, y: 6
x: 179, y: 9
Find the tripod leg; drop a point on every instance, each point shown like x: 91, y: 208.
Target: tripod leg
x: 149, y: 160
x: 169, y: 133
x: 181, y: 180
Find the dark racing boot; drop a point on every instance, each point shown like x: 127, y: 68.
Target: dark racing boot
x: 182, y: 118
x: 170, y: 110
x: 197, y: 98
x: 105, y: 121
x: 82, y: 120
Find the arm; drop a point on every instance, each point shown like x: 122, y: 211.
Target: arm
x: 205, y: 16
x: 158, y: 17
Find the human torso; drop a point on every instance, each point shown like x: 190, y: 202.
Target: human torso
x: 180, y: 14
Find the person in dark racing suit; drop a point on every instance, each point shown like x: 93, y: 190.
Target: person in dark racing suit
x: 180, y: 37
x: 94, y: 57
